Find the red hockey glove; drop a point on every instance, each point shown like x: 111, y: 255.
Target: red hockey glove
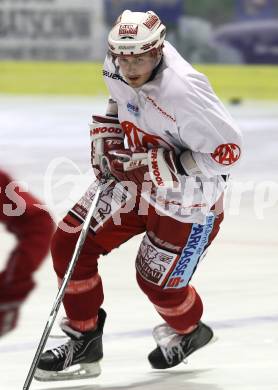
x: 156, y: 165
x: 106, y: 135
x: 13, y: 293
x: 129, y: 166
x: 8, y: 317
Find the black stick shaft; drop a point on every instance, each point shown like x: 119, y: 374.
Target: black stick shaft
x: 61, y: 292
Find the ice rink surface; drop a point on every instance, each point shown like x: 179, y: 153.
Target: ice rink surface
x: 45, y: 144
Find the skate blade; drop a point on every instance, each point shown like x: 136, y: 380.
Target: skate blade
x: 212, y: 340
x: 81, y: 371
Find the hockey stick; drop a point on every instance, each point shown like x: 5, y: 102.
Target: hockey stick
x: 58, y: 300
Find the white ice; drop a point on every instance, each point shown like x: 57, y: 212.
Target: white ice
x: 45, y: 143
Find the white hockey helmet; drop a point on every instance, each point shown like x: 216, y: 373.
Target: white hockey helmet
x: 136, y: 33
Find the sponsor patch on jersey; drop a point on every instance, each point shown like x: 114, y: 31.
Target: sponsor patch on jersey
x: 133, y: 109
x: 154, y: 263
x: 191, y: 254
x: 226, y: 154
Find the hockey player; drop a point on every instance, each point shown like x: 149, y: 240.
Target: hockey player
x: 33, y: 229
x: 168, y: 139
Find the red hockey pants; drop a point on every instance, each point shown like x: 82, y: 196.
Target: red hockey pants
x: 167, y: 258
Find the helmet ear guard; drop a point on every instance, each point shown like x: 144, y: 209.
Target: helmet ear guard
x: 136, y: 33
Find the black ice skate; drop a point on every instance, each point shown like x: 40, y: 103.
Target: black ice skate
x: 77, y: 359
x: 173, y: 348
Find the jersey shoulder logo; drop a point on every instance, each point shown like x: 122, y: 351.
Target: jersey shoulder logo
x: 226, y: 154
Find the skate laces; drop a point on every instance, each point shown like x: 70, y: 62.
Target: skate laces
x: 68, y: 350
x: 72, y: 346
x: 169, y: 342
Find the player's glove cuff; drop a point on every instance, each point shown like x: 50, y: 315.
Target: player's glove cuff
x: 186, y: 164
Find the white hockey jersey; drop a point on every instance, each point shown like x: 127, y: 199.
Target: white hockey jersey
x: 178, y: 110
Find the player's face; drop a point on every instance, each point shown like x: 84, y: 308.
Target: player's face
x: 137, y: 69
